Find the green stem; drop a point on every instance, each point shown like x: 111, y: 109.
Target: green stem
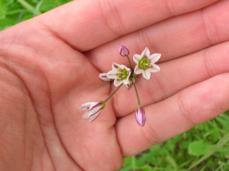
x: 137, y: 95
x: 129, y: 62
x: 135, y: 87
x: 29, y: 7
x: 133, y: 163
x: 12, y: 12
x: 112, y: 94
x: 38, y: 6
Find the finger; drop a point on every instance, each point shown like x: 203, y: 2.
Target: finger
x: 87, y: 24
x: 173, y: 38
x: 174, y: 76
x: 179, y: 113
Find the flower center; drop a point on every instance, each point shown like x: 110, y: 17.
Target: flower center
x: 144, y: 63
x: 122, y: 74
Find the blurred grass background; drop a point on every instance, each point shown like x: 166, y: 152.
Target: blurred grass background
x: 204, y: 148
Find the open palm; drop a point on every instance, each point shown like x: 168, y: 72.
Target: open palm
x: 58, y: 56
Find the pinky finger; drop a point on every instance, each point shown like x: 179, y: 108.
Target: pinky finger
x: 174, y: 115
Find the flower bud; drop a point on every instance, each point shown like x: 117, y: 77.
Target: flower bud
x: 140, y: 117
x: 124, y: 51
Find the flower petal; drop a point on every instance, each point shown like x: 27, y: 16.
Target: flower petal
x: 146, y: 74
x: 115, y: 66
x: 129, y: 73
x: 93, y: 117
x: 155, y: 68
x: 104, y: 77
x: 93, y: 112
x: 127, y: 82
x: 155, y: 57
x: 121, y: 66
x: 88, y: 105
x: 117, y: 83
x: 86, y: 115
x: 146, y: 52
x: 137, y: 70
x: 112, y: 74
x: 128, y: 69
x: 136, y: 58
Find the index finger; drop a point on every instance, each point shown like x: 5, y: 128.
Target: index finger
x: 87, y: 24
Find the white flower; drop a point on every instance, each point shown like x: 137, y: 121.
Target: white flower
x: 146, y: 63
x: 119, y: 73
x: 92, y: 110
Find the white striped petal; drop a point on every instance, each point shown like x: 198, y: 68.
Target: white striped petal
x: 104, y: 77
x: 88, y: 105
x: 146, y: 75
x: 154, y: 57
x: 146, y: 52
x: 117, y: 83
x: 136, y: 58
x: 137, y: 70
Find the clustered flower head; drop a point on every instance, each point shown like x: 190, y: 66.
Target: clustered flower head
x: 120, y: 75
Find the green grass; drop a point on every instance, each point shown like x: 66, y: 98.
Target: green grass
x: 204, y: 148
x: 15, y: 11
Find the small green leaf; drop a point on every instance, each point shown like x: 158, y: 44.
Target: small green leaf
x: 198, y: 148
x: 3, y: 9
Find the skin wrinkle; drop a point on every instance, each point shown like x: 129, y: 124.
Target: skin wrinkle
x: 207, y: 27
x: 114, y: 23
x: 46, y: 81
x: 54, y: 34
x: 26, y: 93
x: 185, y: 113
x: 55, y: 126
x: 145, y: 39
x: 49, y: 95
x: 151, y: 135
x: 34, y: 106
x: 207, y: 64
x: 25, y: 121
x: 159, y: 88
x: 170, y: 7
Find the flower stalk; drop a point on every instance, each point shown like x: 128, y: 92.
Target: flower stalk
x: 140, y: 113
x: 112, y: 94
x: 122, y: 75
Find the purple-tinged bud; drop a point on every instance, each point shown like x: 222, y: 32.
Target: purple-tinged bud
x: 92, y: 109
x: 124, y: 51
x: 140, y: 117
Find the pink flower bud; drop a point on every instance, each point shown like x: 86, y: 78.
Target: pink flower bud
x: 124, y: 51
x: 140, y: 116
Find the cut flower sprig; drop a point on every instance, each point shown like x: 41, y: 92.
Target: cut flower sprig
x: 140, y: 114
x: 126, y: 75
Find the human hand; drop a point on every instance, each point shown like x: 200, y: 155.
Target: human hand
x: 50, y: 66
